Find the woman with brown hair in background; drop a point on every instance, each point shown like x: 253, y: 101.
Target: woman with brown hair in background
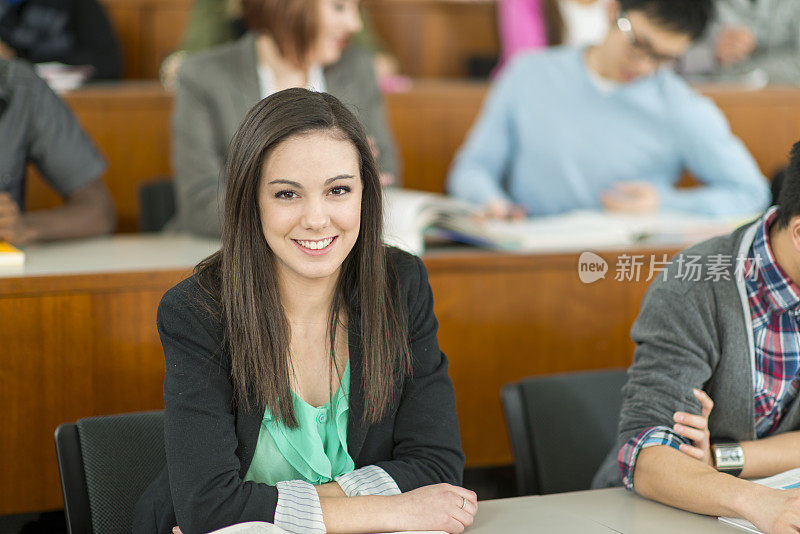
x: 291, y: 43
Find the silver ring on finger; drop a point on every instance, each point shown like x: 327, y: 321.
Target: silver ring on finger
x: 464, y: 503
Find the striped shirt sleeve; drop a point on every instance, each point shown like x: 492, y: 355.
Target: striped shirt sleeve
x: 368, y: 480
x: 650, y: 437
x: 298, y: 510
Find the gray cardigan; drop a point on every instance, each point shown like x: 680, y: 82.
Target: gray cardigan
x: 776, y: 25
x: 216, y: 88
x: 693, y: 334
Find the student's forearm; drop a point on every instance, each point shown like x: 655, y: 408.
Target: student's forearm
x: 370, y: 513
x: 772, y: 455
x: 67, y: 222
x: 88, y: 212
x: 331, y: 489
x: 666, y: 475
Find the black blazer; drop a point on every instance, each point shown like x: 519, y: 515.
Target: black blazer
x: 210, y: 443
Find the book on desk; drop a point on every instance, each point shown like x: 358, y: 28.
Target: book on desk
x: 412, y: 216
x: 10, y: 256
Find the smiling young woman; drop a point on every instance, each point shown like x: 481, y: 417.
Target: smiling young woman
x: 304, y: 383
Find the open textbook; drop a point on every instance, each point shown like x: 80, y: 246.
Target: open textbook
x: 411, y: 215
x: 10, y: 256
x: 786, y: 480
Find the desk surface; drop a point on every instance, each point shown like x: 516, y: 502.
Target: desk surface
x: 174, y: 251
x: 604, y: 511
x: 100, y: 352
x: 119, y: 253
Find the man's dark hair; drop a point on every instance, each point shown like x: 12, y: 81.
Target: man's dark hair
x: 789, y: 196
x: 684, y: 16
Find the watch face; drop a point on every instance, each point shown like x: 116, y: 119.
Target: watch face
x: 729, y: 456
x: 736, y: 455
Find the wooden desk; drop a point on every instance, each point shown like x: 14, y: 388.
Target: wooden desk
x: 605, y: 511
x: 130, y: 124
x: 79, y: 336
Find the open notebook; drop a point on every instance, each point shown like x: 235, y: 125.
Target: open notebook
x: 410, y: 215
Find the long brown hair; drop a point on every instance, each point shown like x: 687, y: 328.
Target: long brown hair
x: 257, y: 331
x: 293, y: 24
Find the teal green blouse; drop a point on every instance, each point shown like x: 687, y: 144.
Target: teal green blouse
x: 315, y: 451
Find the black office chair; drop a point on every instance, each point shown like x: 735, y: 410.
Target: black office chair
x: 561, y: 428
x: 105, y: 464
x: 156, y: 204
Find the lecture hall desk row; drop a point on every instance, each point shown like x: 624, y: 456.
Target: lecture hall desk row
x: 85, y: 344
x: 81, y: 341
x: 129, y: 121
x: 428, y: 37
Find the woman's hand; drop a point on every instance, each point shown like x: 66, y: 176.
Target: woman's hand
x: 695, y: 428
x: 436, y: 507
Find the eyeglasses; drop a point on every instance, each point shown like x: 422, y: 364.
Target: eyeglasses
x: 641, y: 48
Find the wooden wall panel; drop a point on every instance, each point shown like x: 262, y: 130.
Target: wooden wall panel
x: 430, y: 124
x: 435, y: 38
x: 500, y: 323
x: 148, y: 31
x: 126, y: 19
x: 429, y: 37
x: 70, y: 355
x: 768, y: 121
x: 166, y: 29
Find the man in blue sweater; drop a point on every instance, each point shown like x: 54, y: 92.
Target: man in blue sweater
x: 608, y: 127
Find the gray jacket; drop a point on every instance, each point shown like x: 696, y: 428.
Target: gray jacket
x: 216, y: 88
x: 693, y: 334
x: 776, y: 25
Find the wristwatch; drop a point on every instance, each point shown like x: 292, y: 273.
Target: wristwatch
x: 728, y: 457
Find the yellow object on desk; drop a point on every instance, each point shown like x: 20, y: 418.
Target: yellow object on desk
x: 11, y: 256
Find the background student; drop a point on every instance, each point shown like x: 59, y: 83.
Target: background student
x: 305, y: 385
x: 608, y: 127
x: 534, y: 24
x: 215, y: 22
x: 74, y: 32
x: 35, y: 126
x: 292, y: 43
x: 751, y: 38
x: 711, y: 397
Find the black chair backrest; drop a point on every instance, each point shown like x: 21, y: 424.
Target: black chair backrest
x: 156, y: 204
x: 561, y: 428
x: 105, y: 464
